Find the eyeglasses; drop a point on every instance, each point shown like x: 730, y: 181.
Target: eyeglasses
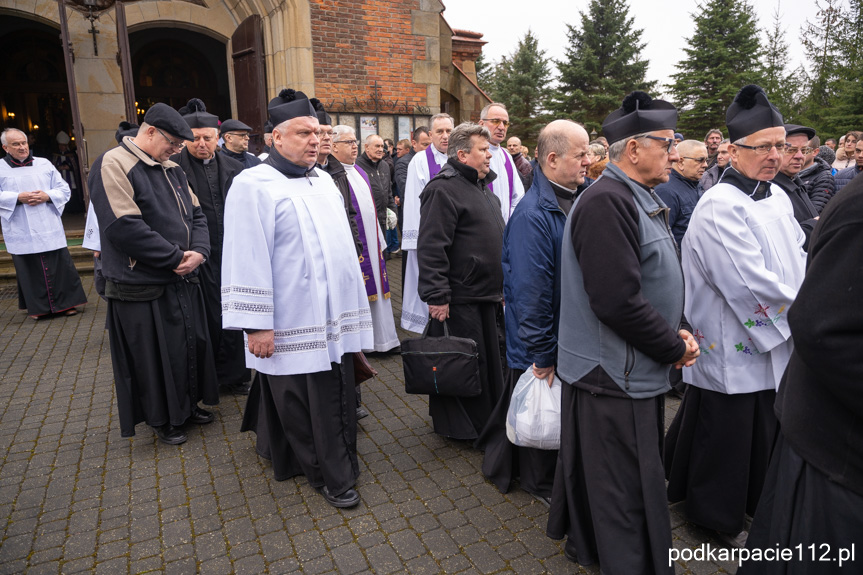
x: 792, y: 150
x: 348, y: 142
x: 696, y: 160
x: 240, y: 135
x: 764, y: 149
x: 325, y: 133
x: 170, y: 141
x: 672, y: 143
x: 496, y: 121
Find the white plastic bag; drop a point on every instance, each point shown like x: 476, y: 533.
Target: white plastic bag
x: 392, y: 219
x: 533, y: 419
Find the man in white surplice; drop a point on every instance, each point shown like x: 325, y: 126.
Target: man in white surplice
x: 291, y: 280
x: 421, y: 170
x: 345, y: 149
x: 507, y: 186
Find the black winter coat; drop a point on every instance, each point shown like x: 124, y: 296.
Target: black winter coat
x: 380, y: 177
x: 819, y: 183
x: 460, y: 238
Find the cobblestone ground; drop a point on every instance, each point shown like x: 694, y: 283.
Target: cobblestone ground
x: 76, y: 497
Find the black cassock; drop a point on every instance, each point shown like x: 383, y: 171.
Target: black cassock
x: 163, y: 361
x: 610, y: 466
x: 307, y: 425
x: 48, y: 282
x: 210, y: 182
x: 466, y: 417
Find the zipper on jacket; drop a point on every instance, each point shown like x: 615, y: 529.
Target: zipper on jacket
x: 491, y: 205
x: 630, y: 361
x: 181, y: 207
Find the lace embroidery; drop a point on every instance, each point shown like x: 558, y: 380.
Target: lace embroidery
x: 409, y: 235
x: 248, y: 307
x: 248, y: 290
x: 414, y: 318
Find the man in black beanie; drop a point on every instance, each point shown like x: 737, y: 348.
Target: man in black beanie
x: 743, y: 264
x: 154, y: 238
x: 620, y: 331
x: 210, y: 176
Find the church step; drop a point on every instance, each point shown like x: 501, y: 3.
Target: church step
x: 82, y: 258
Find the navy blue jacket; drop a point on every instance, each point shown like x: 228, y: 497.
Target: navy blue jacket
x: 842, y: 177
x: 680, y: 195
x: 531, y: 276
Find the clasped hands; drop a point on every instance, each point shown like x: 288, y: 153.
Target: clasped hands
x: 692, y: 350
x: 33, y: 198
x: 190, y: 262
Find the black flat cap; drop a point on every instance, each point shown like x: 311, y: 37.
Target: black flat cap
x: 321, y: 113
x: 196, y: 115
x: 639, y: 113
x: 167, y: 118
x: 290, y: 104
x: 234, y: 126
x: 751, y: 112
x: 791, y: 129
x: 126, y: 129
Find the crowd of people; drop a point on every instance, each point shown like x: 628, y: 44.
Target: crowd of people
x: 620, y: 266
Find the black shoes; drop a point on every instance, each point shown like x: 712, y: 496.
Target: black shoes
x: 239, y: 388
x: 171, y: 435
x: 200, y: 416
x: 362, y: 412
x: 349, y: 498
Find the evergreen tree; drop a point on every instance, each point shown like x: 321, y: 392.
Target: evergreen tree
x: 721, y: 58
x: 485, y: 74
x: 820, y: 38
x: 603, y: 63
x: 845, y: 111
x: 521, y: 83
x: 780, y: 85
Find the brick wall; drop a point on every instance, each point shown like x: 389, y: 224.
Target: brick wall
x: 356, y: 43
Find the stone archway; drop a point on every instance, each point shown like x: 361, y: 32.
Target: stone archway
x: 34, y: 95
x: 172, y: 65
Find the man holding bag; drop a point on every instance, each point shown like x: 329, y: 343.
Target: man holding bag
x: 531, y: 271
x: 460, y: 276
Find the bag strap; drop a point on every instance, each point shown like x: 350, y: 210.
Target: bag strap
x: 428, y: 324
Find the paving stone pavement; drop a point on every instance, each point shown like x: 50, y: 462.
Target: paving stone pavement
x: 75, y: 497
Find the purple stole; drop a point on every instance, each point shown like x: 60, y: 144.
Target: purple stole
x: 365, y: 259
x: 508, y: 166
x: 433, y: 167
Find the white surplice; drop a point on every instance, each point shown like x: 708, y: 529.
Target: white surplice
x: 289, y: 265
x: 501, y: 185
x: 743, y: 262
x: 386, y: 337
x: 32, y: 229
x: 415, y: 311
x: 92, y: 238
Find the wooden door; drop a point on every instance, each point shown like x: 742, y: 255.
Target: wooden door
x: 250, y: 81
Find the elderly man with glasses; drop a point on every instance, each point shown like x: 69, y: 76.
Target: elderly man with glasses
x: 154, y: 237
x: 621, y: 311
x: 680, y: 192
x: 796, y: 149
x: 508, y: 186
x: 236, y: 137
x: 743, y: 263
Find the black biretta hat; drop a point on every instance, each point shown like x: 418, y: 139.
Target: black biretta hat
x: 791, y: 129
x: 234, y: 126
x: 268, y: 127
x: 639, y: 113
x: 126, y: 129
x: 196, y: 115
x: 751, y: 112
x: 290, y: 104
x: 323, y: 117
x: 167, y: 118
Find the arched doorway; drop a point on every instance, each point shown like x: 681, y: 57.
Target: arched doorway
x: 34, y: 95
x: 172, y: 65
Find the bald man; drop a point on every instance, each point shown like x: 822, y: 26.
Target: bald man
x: 531, y: 283
x: 522, y: 164
x: 680, y: 192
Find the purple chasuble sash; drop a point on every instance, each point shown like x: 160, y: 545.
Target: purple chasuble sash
x: 508, y: 166
x: 433, y: 167
x: 365, y: 259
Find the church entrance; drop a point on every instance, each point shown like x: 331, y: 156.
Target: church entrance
x: 34, y: 96
x: 173, y: 65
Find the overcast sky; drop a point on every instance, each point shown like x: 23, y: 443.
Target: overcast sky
x: 666, y: 25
